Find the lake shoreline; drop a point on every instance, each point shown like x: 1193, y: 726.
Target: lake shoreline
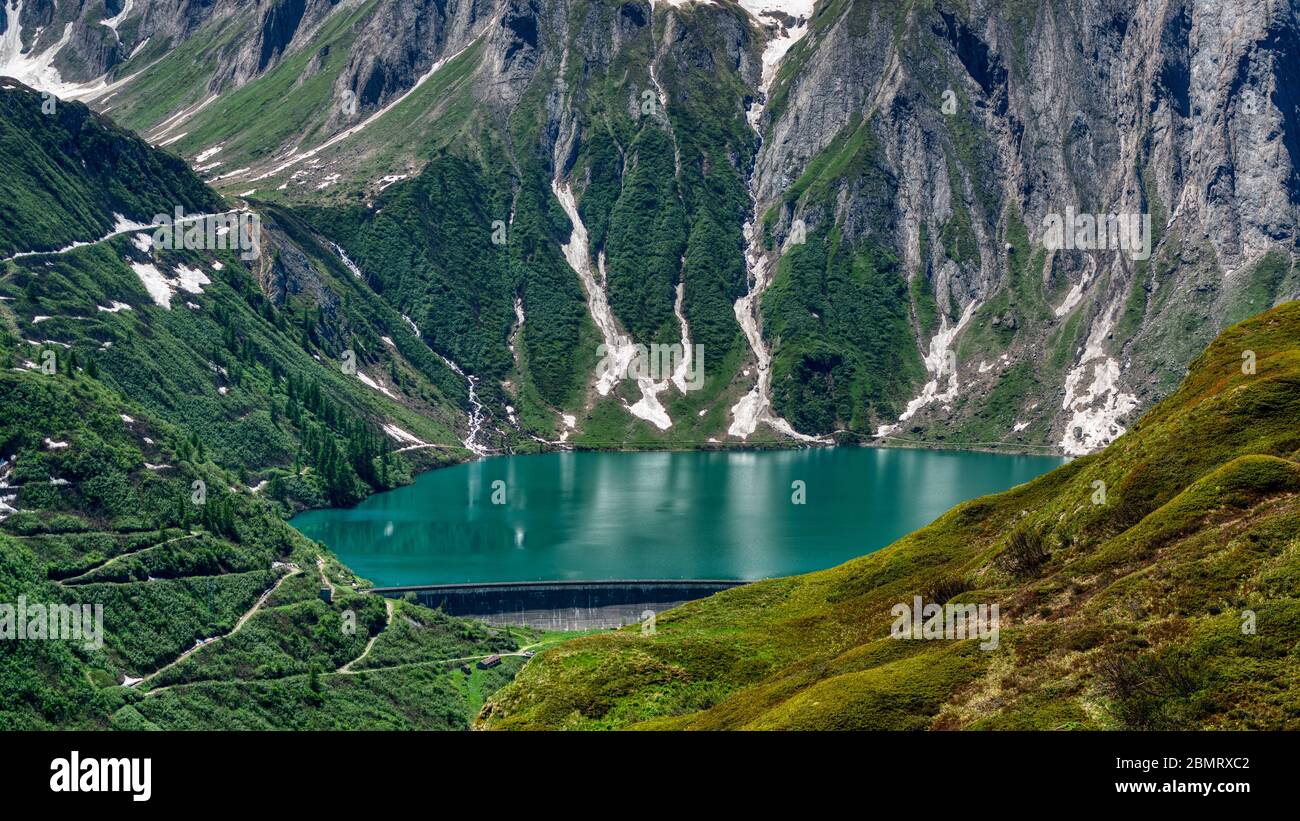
x: 592, y: 514
x: 423, y: 467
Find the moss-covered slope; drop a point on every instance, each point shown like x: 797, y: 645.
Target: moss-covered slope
x: 1152, y: 585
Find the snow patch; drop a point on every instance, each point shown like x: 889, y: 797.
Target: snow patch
x: 403, y: 436
x: 1075, y: 295
x: 35, y: 70
x: 191, y: 280
x: 619, y: 349
x: 228, y: 175
x: 941, y: 361
x: 755, y: 406
x: 371, y: 383
x: 361, y: 126
x: 781, y: 39
x: 162, y: 288
x: 177, y: 120
x: 1095, y: 411
x: 154, y: 282
x: 207, y: 154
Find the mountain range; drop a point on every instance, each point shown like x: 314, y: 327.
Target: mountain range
x: 433, y: 230
x: 844, y: 204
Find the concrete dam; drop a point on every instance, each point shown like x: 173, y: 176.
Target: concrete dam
x: 560, y: 605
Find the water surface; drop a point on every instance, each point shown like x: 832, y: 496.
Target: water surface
x: 699, y: 515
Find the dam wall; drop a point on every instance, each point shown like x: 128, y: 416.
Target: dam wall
x: 560, y: 605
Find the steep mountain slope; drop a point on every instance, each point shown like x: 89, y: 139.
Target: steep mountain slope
x: 88, y: 174
x: 161, y: 411
x: 1152, y: 585
x: 845, y: 203
x: 950, y: 134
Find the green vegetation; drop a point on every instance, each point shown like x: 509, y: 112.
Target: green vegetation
x: 1169, y: 602
x: 1260, y: 286
x: 713, y: 143
x: 958, y: 238
x: 295, y: 666
x: 645, y: 241
x: 845, y: 357
x: 427, y: 249
x: 924, y: 303
x: 64, y: 175
x: 559, y: 338
x: 149, y: 455
x: 995, y: 414
x: 1017, y: 305
x: 297, y: 89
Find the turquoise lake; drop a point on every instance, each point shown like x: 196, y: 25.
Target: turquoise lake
x: 696, y: 515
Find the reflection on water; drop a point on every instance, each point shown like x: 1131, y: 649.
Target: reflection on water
x: 724, y: 515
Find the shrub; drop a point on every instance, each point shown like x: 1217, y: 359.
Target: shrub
x: 1026, y: 550
x: 943, y: 590
x: 1149, y: 692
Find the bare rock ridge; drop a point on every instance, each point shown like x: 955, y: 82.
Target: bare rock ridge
x: 855, y: 200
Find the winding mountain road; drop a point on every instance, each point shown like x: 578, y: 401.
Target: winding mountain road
x: 293, y: 571
x: 347, y: 668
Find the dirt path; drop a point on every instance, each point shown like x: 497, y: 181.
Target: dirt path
x: 521, y: 651
x: 347, y: 668
x: 324, y: 577
x: 293, y: 571
x: 77, y: 580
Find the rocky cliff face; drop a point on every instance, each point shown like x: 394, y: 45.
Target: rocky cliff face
x: 892, y: 220
x: 989, y: 121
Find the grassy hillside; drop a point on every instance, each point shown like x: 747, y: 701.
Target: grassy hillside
x: 161, y: 412
x: 99, y: 523
x: 1153, y: 585
x: 64, y: 174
